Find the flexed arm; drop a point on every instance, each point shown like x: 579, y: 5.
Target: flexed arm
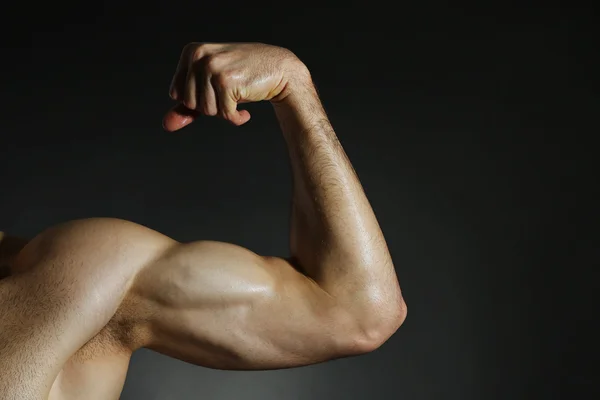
x: 120, y: 286
x: 338, y: 295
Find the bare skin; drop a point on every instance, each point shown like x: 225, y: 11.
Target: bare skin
x: 81, y: 297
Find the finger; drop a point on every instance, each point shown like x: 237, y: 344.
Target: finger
x: 179, y: 117
x: 189, y: 96
x: 209, y: 104
x: 179, y: 79
x: 228, y: 108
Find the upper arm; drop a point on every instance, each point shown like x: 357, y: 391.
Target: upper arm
x: 223, y: 306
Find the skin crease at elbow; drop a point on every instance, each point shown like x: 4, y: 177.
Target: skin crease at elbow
x: 80, y: 297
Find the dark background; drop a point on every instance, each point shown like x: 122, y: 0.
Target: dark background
x: 471, y: 130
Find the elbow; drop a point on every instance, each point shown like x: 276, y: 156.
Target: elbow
x: 376, y: 331
x: 372, y: 330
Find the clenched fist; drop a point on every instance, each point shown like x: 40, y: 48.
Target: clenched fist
x: 213, y: 78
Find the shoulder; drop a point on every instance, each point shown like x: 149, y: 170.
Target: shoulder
x: 100, y: 231
x: 99, y: 227
x: 104, y: 242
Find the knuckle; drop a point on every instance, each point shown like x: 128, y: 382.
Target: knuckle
x: 213, y: 62
x: 190, y: 47
x: 195, y: 50
x: 198, y: 52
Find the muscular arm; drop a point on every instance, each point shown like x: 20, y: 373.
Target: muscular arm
x: 222, y: 306
x: 210, y: 303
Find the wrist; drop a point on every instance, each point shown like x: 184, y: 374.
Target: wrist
x: 298, y: 84
x: 298, y: 108
x: 301, y: 106
x: 299, y: 96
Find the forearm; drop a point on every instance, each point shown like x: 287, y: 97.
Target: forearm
x: 335, y: 236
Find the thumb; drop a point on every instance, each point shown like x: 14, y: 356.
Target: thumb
x: 179, y: 117
x: 228, y: 109
x: 239, y: 117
